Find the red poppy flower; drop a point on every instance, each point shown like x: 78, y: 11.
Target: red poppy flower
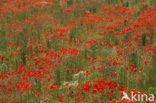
x: 60, y: 99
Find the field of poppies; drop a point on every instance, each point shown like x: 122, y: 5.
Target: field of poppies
x: 77, y: 51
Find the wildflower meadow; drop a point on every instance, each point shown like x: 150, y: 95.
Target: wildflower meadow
x: 77, y: 51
